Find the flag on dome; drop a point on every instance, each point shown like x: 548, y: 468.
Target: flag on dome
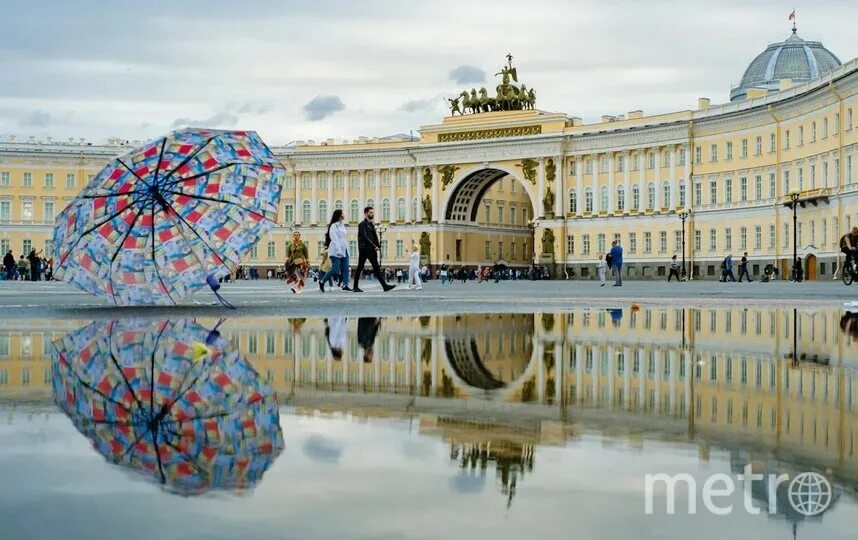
x: 164, y: 220
x: 791, y: 16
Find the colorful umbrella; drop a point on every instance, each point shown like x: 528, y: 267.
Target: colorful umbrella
x: 164, y: 220
x: 170, y: 400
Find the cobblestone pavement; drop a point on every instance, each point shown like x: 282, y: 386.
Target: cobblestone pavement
x: 263, y: 297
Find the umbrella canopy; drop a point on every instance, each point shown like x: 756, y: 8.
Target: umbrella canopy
x: 160, y: 222
x: 168, y: 399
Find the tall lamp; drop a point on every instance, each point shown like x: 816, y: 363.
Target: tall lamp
x: 794, y: 196
x: 683, y: 215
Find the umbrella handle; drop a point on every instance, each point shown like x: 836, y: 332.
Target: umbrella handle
x: 213, y: 283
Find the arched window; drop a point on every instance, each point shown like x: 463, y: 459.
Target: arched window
x: 651, y: 196
x: 400, y: 210
x: 385, y: 209
x: 305, y: 212
x: 573, y: 201
x: 354, y: 211
x: 369, y: 202
x: 621, y: 198
x: 338, y: 204
x: 415, y: 209
x: 323, y: 212
x: 588, y: 200
x: 665, y: 189
x: 682, y: 194
x: 636, y: 198
x: 603, y: 198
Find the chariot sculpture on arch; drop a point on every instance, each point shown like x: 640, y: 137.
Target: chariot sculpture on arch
x: 509, y: 96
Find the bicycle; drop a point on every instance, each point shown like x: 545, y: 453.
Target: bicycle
x: 850, y: 271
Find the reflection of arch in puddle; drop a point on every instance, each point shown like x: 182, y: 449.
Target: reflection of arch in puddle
x: 485, y: 353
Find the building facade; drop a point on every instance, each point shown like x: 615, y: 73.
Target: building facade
x: 525, y: 186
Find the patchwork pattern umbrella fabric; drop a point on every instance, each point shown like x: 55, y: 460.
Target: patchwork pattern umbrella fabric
x: 155, y: 223
x: 170, y: 400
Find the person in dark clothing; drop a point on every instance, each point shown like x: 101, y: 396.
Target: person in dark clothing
x: 743, y: 268
x: 674, y: 269
x: 849, y: 246
x: 9, y: 265
x: 367, y: 329
x: 368, y: 245
x: 35, y: 265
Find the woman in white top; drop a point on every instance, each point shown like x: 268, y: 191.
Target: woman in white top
x: 603, y: 269
x: 335, y: 331
x: 414, y: 268
x: 338, y: 249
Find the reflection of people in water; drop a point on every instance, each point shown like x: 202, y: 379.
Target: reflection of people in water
x: 366, y: 331
x: 335, y: 332
x: 616, y: 316
x: 849, y: 324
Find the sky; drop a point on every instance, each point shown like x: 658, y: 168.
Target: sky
x: 343, y: 69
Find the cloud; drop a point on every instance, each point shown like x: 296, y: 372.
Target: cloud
x: 421, y: 105
x: 218, y: 119
x: 250, y: 107
x: 322, y: 106
x: 467, y: 75
x: 322, y: 449
x: 36, y: 118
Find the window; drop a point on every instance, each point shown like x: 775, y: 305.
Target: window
x: 385, y: 179
x: 758, y: 237
x: 651, y: 196
x: 729, y: 151
x: 305, y: 212
x: 4, y: 179
x: 5, y: 211
x: 573, y: 202
x: 633, y: 242
x: 786, y: 140
x: 682, y: 194
x: 26, y: 246
x: 401, y: 179
x: 824, y: 174
x: 415, y: 210
x: 636, y: 197
x: 400, y: 209
x: 849, y: 119
x: 306, y: 181
x: 338, y: 181
x: 813, y: 132
x: 585, y: 244
x: 786, y: 181
x: 743, y: 188
x: 323, y: 211
x: 49, y: 210
x: 647, y: 242
x: 400, y: 249
x: 338, y: 204
x: 698, y: 194
x: 27, y: 210
x: 650, y: 161
x: 354, y: 211
x: 758, y: 146
x: 758, y: 187
x: 772, y: 234
x: 621, y: 163
x: 621, y: 198
x: 353, y: 246
x: 588, y: 166
x: 698, y: 155
x: 744, y: 148
x: 713, y: 240
x: 772, y: 142
x: 604, y: 164
x: 600, y: 243
x: 354, y: 180
x: 812, y: 178
x: 570, y: 244
x: 323, y: 180
x: 603, y: 198
x: 384, y: 249
x: 713, y: 152
x: 713, y: 192
x: 665, y: 159
x: 772, y: 185
x: 848, y: 169
x: 728, y: 238
x: 786, y: 235
x: 370, y: 180
x: 385, y: 209
x: 728, y: 190
x: 682, y: 157
x: 270, y: 252
x: 70, y: 181
x: 836, y: 171
x: 289, y: 213
x: 665, y: 195
x: 800, y: 135
x: 824, y: 128
x: 743, y: 238
x: 370, y: 203
x: 588, y: 200
x: 698, y: 240
x: 488, y: 254
x: 800, y: 177
x: 28, y: 179
x: 677, y: 241
x: 488, y: 214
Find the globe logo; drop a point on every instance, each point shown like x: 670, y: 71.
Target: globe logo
x: 810, y: 493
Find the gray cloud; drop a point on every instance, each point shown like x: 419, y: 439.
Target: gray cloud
x: 467, y: 75
x: 322, y: 106
x: 217, y: 120
x: 322, y: 449
x: 421, y: 105
x: 37, y: 118
x: 250, y: 107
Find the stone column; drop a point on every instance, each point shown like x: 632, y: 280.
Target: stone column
x: 419, y: 216
x: 627, y: 377
x: 642, y: 191
x: 689, y: 373
x: 347, y: 202
x: 611, y: 185
x: 377, y: 174
x: 298, y: 201
x: 436, y: 350
x: 418, y: 355
x: 331, y: 204
x: 674, y: 380
x: 659, y: 359
x: 436, y: 198
x: 540, y: 188
x: 627, y: 184
x: 579, y: 371
x: 540, y: 371
x: 641, y: 380
x: 558, y: 372
x: 560, y: 190
x: 409, y: 357
x: 674, y: 187
x: 362, y: 201
x: 579, y: 185
x: 409, y: 217
x: 594, y: 185
x: 394, y: 198
x: 594, y: 374
x: 611, y: 369
x: 314, y: 354
x: 314, y: 199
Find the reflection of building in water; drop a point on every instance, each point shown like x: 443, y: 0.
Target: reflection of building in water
x: 723, y: 372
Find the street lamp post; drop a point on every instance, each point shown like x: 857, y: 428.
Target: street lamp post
x: 794, y: 196
x: 381, y: 229
x: 683, y: 215
x: 533, y: 224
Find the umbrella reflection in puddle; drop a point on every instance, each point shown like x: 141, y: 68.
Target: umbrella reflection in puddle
x: 170, y: 400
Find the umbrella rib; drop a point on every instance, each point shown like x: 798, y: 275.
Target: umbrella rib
x: 154, y: 262
x: 189, y: 158
x: 119, y: 369
x: 105, y: 195
x: 199, y: 175
x: 206, y: 244
x: 158, y: 456
x: 152, y: 370
x: 137, y: 176
x: 103, y: 395
x: 118, y: 249
x: 213, y: 199
x: 95, y: 227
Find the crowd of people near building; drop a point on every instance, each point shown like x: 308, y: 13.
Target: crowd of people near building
x: 32, y: 267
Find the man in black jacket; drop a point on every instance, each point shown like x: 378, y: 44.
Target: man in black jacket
x: 368, y: 244
x: 9, y: 265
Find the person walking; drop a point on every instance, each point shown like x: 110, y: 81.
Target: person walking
x: 674, y: 269
x: 35, y: 265
x: 743, y: 268
x: 368, y: 246
x: 297, y: 263
x: 414, y: 268
x: 617, y: 263
x: 9, y: 265
x: 727, y: 269
x: 602, y: 269
x: 23, y: 269
x: 336, y: 238
x: 335, y: 332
